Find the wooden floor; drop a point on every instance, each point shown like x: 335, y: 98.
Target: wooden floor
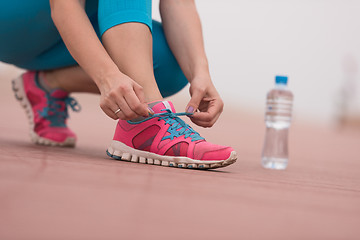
x: 54, y: 193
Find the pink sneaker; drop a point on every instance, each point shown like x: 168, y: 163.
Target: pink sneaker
x: 164, y: 139
x: 47, y: 111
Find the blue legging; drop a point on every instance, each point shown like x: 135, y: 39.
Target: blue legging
x: 30, y: 40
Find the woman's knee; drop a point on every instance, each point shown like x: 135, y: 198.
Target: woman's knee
x: 115, y: 12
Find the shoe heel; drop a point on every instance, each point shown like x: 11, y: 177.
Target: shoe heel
x: 18, y: 88
x: 19, y: 92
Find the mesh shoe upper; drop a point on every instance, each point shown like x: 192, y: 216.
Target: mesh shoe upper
x: 49, y: 109
x: 166, y: 134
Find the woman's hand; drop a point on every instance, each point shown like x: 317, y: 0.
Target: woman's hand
x: 121, y: 92
x: 183, y: 32
x: 206, y: 99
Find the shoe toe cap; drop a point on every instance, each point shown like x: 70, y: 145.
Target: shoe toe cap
x: 222, y: 153
x: 211, y: 152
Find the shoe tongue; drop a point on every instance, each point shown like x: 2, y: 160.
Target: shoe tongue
x: 59, y: 93
x: 160, y: 106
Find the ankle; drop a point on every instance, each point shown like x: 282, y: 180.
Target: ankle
x: 48, y: 80
x: 153, y: 96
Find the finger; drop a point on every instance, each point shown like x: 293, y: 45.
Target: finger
x: 121, y: 115
x: 202, y: 123
x: 203, y: 116
x: 107, y: 107
x: 205, y: 124
x: 125, y: 109
x: 208, y: 122
x: 110, y: 113
x: 139, y: 93
x: 207, y: 116
x: 194, y: 102
x: 135, y: 104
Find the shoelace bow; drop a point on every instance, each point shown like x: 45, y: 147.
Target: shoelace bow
x: 54, y: 112
x: 177, y: 126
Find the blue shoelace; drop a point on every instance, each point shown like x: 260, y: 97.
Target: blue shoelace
x: 177, y: 126
x: 54, y: 112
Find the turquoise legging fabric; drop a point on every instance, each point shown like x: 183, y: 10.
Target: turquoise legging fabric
x: 30, y: 40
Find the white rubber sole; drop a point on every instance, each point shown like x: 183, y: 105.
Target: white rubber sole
x: 120, y: 151
x: 18, y: 88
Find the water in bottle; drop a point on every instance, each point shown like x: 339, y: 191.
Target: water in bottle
x: 277, y: 118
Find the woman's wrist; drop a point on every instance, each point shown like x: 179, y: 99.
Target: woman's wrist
x: 104, y: 75
x: 199, y: 71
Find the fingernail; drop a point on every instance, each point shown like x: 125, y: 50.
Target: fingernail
x: 190, y: 109
x: 151, y: 111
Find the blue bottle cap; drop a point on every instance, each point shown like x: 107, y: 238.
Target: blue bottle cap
x: 281, y: 80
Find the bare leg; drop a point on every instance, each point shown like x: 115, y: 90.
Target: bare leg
x: 71, y: 79
x: 130, y: 46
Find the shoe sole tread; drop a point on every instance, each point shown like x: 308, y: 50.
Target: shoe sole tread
x: 120, y: 151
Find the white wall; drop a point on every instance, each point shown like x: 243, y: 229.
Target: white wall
x: 248, y: 42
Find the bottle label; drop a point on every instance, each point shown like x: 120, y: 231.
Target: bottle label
x: 279, y: 108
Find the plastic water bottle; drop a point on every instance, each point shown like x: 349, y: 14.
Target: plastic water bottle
x: 277, y: 118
